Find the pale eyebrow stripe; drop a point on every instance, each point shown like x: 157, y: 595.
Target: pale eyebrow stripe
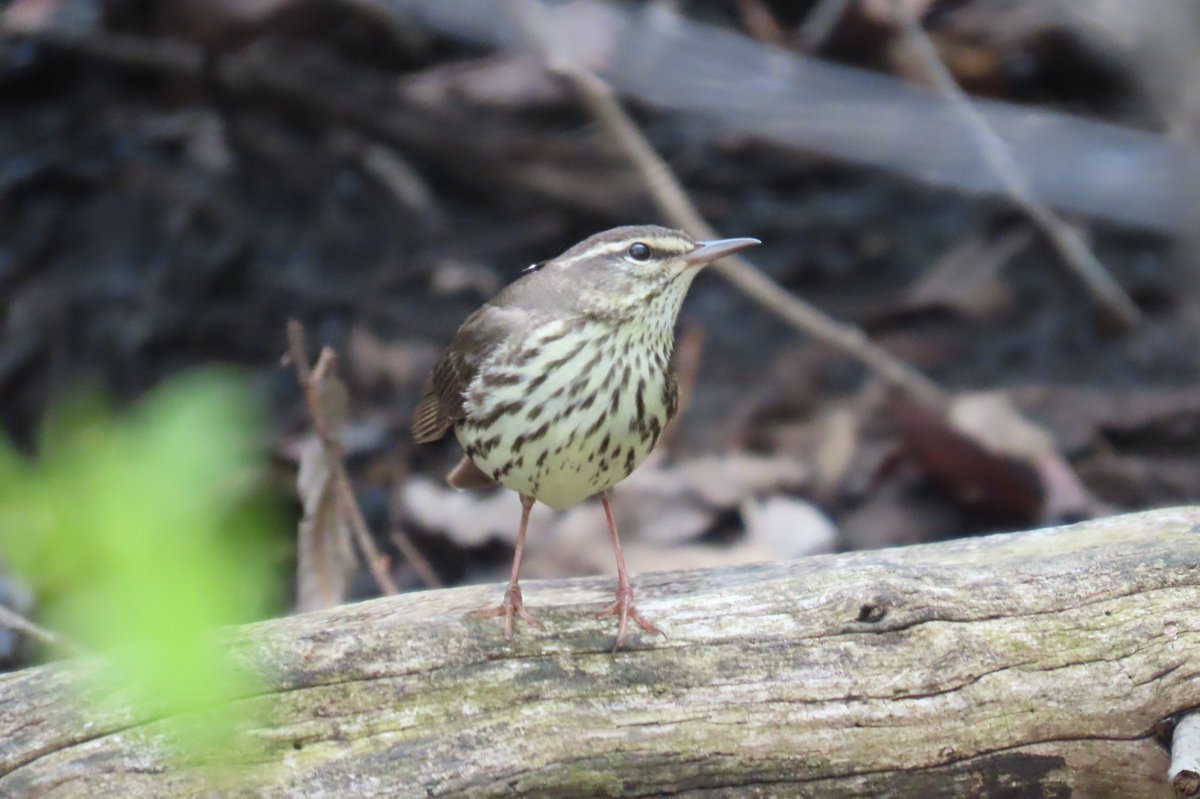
x: 670, y: 246
x: 606, y: 248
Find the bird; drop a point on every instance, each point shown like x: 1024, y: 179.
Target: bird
x: 559, y: 386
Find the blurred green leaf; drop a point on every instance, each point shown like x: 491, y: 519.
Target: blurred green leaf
x: 141, y: 535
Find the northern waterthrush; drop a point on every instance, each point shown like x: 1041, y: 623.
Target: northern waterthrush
x: 561, y: 385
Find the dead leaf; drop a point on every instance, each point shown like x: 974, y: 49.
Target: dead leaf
x: 504, y: 82
x: 452, y: 275
x: 1163, y: 418
x: 760, y: 23
x: 890, y: 12
x: 326, y: 552
x: 835, y: 450
x: 326, y: 556
x: 661, y: 510
x: 985, y: 453
x: 966, y: 279
x: 724, y: 480
x: 787, y: 527
x: 469, y: 518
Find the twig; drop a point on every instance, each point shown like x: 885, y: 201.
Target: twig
x: 1184, y: 773
x: 421, y: 566
x: 673, y: 203
x: 394, y: 172
x: 820, y: 22
x: 362, y: 536
x: 760, y: 23
x: 15, y: 621
x: 1065, y: 237
x: 310, y: 380
x: 400, y: 538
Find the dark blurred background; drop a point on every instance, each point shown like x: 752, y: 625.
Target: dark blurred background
x: 179, y: 177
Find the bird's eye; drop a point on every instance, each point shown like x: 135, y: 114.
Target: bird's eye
x: 639, y: 251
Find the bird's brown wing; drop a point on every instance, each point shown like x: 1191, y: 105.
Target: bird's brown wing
x: 441, y: 404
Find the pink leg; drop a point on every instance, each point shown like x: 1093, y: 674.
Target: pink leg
x: 513, y: 604
x: 623, y: 608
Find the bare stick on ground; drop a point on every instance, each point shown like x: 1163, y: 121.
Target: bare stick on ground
x: 15, y: 621
x: 1065, y: 237
x: 820, y: 22
x: 312, y: 379
x: 675, y: 205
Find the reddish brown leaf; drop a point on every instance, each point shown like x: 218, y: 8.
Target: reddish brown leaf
x: 988, y: 456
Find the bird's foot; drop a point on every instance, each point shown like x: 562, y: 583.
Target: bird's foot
x: 624, y: 609
x: 513, y: 605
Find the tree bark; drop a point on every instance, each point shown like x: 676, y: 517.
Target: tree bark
x: 1039, y: 664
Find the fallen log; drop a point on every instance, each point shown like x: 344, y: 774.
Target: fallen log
x: 1046, y: 663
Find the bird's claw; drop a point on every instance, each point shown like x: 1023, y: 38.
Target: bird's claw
x: 512, y: 605
x: 624, y: 609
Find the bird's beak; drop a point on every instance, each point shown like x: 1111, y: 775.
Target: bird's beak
x: 708, y: 251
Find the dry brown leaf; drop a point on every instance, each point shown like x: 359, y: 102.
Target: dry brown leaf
x: 452, y: 275
x: 724, y: 480
x: 787, y: 527
x: 326, y: 560
x: 326, y: 556
x: 889, y: 12
x: 659, y: 508
x: 760, y: 23
x: 966, y: 279
x: 984, y: 452
x: 469, y: 518
x: 672, y: 503
x: 578, y: 543
x: 505, y: 82
x: 1157, y: 416
x: 835, y: 451
x: 989, y: 419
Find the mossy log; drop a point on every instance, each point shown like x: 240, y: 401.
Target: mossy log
x: 1043, y: 664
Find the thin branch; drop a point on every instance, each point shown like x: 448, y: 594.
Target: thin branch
x: 820, y: 22
x: 421, y: 566
x: 759, y: 22
x: 310, y: 380
x: 376, y: 561
x: 675, y: 205
x: 15, y: 621
x: 1065, y: 237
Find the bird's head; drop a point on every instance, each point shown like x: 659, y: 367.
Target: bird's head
x: 635, y: 269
